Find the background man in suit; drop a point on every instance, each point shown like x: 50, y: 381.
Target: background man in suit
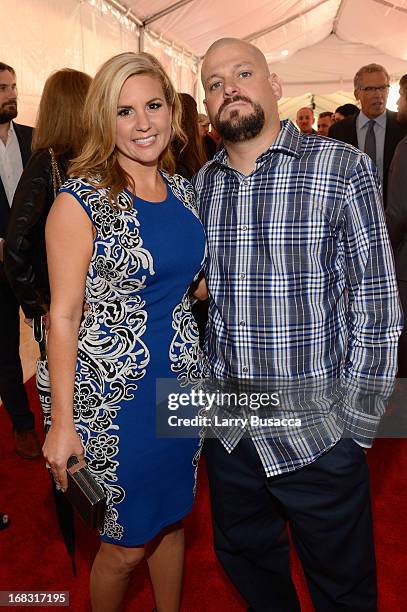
x: 396, y: 217
x: 374, y: 129
x: 15, y: 149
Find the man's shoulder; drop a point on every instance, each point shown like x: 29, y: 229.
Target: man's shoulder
x: 202, y: 175
x: 23, y: 129
x: 24, y: 135
x: 391, y: 116
x: 343, y: 127
x: 329, y: 148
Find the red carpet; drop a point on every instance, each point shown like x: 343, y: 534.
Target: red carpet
x: 33, y: 556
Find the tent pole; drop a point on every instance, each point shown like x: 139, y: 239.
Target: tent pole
x: 166, y: 11
x: 141, y: 39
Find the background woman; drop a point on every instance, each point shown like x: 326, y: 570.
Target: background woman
x: 108, y: 240
x: 59, y: 127
x: 190, y: 155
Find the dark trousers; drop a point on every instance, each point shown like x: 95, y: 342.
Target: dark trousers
x: 12, y: 390
x: 326, y: 504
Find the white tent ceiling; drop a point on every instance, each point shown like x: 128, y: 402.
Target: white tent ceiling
x: 316, y: 46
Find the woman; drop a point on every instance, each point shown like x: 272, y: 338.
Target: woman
x: 190, y: 156
x: 209, y: 144
x: 58, y: 136
x: 108, y: 239
x: 344, y: 111
x: 190, y: 159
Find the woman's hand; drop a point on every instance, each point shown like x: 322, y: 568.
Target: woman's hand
x: 61, y: 442
x: 201, y: 290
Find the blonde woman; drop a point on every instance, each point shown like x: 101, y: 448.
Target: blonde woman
x: 124, y: 236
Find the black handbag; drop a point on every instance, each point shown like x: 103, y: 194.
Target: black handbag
x: 85, y: 494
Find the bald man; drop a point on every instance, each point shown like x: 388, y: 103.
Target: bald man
x: 305, y: 120
x: 297, y: 291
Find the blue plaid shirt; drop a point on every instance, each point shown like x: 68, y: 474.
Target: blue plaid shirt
x: 301, y: 283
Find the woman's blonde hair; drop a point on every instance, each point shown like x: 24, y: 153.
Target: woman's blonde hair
x: 60, y: 114
x: 98, y: 157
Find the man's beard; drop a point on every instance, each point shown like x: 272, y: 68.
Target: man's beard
x: 8, y: 112
x: 240, y: 128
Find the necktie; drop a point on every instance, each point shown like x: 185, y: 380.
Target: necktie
x: 370, y: 142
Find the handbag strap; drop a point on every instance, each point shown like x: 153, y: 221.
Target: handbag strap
x: 56, y: 177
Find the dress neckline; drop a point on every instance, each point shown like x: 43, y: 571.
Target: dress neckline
x: 136, y: 198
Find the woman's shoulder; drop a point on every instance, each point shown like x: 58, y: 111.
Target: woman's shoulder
x: 81, y: 185
x: 96, y: 199
x: 182, y: 189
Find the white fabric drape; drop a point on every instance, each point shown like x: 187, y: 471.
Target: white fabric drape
x: 315, y: 46
x: 40, y: 36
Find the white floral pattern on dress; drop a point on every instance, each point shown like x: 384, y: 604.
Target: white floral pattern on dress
x: 112, y: 357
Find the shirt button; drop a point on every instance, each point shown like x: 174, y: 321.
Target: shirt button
x: 245, y: 369
x: 244, y: 228
x: 242, y: 323
x: 243, y: 275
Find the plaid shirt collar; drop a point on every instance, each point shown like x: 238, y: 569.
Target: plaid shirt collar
x: 288, y: 142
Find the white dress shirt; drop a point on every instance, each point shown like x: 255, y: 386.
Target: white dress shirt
x: 11, y: 164
x: 380, y: 132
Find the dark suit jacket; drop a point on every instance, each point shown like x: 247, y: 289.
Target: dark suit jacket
x: 24, y: 137
x: 345, y: 131
x: 396, y: 212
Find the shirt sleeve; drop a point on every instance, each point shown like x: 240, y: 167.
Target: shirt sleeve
x: 374, y: 318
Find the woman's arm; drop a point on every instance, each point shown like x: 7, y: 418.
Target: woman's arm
x: 200, y: 292
x: 69, y: 241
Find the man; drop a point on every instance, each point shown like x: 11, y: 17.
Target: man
x: 374, y: 129
x: 15, y: 149
x: 324, y: 123
x: 346, y: 110
x: 396, y: 217
x: 298, y: 291
x: 305, y: 120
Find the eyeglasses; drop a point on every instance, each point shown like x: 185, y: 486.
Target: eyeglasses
x: 370, y: 89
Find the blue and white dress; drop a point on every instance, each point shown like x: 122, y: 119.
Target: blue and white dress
x: 138, y: 328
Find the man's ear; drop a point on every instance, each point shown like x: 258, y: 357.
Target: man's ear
x: 276, y: 85
x: 356, y: 94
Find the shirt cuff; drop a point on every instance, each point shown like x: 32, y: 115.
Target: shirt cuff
x: 363, y: 444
